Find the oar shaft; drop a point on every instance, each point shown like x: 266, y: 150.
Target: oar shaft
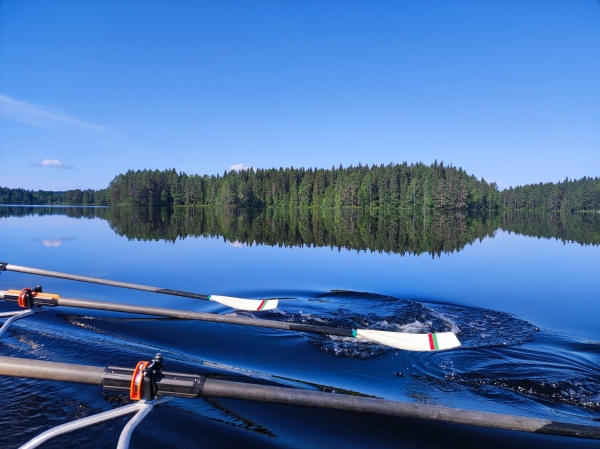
x: 118, y: 379
x: 198, y: 316
x: 92, y: 280
x: 290, y: 396
x: 38, y: 369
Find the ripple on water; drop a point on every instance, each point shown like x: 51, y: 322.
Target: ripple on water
x: 475, y: 327
x: 502, y: 357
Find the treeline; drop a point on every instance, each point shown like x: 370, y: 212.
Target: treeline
x: 392, y: 186
x: 569, y: 195
x: 44, y: 197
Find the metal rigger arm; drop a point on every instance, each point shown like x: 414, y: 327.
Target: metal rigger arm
x: 143, y: 383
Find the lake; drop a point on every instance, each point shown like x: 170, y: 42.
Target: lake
x: 521, y: 290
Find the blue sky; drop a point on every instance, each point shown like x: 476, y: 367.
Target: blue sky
x: 508, y: 90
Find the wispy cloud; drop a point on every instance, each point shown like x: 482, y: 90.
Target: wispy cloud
x: 239, y: 167
x: 40, y: 116
x: 53, y: 163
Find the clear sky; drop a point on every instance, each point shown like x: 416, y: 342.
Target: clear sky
x: 508, y: 90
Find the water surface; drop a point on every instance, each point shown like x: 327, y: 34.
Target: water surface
x: 521, y: 291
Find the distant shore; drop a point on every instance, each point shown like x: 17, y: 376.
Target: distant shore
x: 392, y: 186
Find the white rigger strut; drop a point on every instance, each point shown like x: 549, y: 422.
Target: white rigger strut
x: 141, y: 409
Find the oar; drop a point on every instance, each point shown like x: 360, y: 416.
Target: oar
x: 192, y: 386
x: 399, y: 340
x: 254, y: 305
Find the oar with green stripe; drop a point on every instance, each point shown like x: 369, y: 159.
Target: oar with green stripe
x: 399, y: 340
x: 254, y: 305
x: 411, y: 342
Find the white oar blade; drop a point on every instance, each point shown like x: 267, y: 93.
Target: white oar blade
x: 411, y: 342
x: 254, y: 305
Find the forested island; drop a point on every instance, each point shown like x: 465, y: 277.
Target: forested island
x: 392, y: 186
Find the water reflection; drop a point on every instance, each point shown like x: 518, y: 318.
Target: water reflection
x: 53, y: 242
x: 398, y: 232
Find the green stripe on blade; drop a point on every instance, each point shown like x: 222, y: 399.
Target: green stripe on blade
x: 435, y: 342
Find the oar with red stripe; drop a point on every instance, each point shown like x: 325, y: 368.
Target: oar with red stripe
x: 409, y: 342
x: 254, y: 305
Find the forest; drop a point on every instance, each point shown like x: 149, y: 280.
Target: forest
x: 392, y: 186
x: 45, y: 197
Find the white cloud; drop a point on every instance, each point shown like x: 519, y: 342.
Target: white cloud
x: 40, y: 116
x: 53, y: 163
x: 239, y: 167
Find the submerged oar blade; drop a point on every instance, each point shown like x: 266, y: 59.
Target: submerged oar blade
x: 411, y: 342
x: 253, y: 305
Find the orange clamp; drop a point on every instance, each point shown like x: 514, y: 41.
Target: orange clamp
x: 23, y: 297
x: 137, y: 381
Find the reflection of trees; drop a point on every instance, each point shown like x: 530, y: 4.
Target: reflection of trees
x: 583, y: 228
x: 69, y: 211
x: 352, y: 229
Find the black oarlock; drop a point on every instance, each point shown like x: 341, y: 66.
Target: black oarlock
x: 156, y: 382
x: 150, y: 373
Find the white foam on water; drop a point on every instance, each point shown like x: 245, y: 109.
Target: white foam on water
x: 416, y: 327
x: 454, y: 328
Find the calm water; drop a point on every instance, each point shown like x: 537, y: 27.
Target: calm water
x: 522, y: 291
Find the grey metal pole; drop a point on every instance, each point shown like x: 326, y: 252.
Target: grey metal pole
x: 252, y: 392
x: 38, y: 369
x: 290, y: 396
x: 73, y: 277
x: 199, y: 316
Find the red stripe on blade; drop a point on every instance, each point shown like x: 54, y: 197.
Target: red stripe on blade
x: 431, y: 345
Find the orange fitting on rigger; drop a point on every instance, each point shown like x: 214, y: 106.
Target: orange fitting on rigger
x: 21, y: 296
x: 137, y: 381
x: 26, y: 298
